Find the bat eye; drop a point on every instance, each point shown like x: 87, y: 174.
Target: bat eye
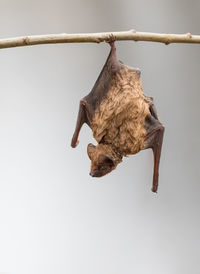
x: 102, y: 168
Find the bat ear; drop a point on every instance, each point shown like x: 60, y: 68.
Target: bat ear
x: 90, y: 150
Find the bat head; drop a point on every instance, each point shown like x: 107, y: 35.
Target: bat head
x: 103, y: 159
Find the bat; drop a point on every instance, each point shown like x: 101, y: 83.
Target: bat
x: 122, y: 118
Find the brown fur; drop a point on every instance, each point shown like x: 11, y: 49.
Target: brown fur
x: 102, y: 155
x: 119, y: 122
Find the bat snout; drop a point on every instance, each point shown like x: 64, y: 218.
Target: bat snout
x: 95, y: 173
x: 92, y: 174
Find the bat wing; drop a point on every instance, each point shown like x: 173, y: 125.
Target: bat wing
x: 84, y: 116
x: 91, y: 102
x: 154, y: 140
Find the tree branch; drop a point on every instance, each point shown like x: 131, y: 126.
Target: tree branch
x: 131, y: 35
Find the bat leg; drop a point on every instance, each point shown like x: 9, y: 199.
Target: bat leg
x: 83, y: 117
x: 154, y: 140
x: 115, y: 64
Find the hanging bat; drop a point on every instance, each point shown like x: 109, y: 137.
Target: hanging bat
x: 122, y: 118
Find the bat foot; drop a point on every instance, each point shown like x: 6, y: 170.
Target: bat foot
x: 111, y: 40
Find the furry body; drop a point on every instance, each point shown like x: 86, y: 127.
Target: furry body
x: 119, y: 121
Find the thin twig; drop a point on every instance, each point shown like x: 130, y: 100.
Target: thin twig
x: 98, y: 38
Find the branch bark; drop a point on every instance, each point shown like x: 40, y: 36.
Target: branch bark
x: 131, y: 35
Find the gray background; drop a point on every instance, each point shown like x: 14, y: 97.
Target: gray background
x: 55, y: 218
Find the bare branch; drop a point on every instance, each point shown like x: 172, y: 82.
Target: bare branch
x: 131, y: 35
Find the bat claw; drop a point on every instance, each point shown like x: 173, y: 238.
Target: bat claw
x: 111, y: 40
